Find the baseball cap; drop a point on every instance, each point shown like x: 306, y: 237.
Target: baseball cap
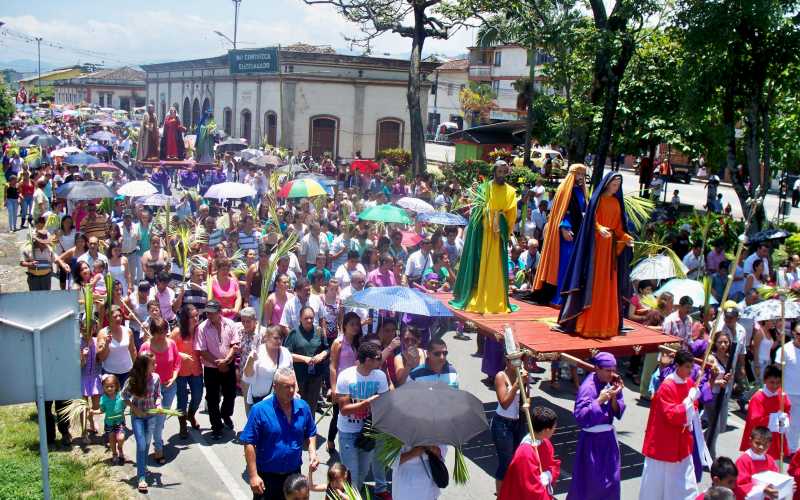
x: 213, y: 306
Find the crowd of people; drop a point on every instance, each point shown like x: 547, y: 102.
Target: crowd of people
x: 175, y: 325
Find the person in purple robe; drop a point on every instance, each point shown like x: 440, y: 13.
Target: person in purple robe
x: 188, y: 178
x: 160, y: 179
x: 596, y: 471
x: 494, y: 357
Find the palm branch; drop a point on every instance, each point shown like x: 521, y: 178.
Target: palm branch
x: 707, y: 292
x: 643, y: 249
x: 74, y: 413
x: 388, y: 450
x: 638, y: 210
x: 283, y: 248
x: 88, y: 308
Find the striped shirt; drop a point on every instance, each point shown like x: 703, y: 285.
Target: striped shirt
x: 151, y: 398
x: 195, y: 295
x: 248, y: 242
x: 447, y: 376
x: 94, y: 226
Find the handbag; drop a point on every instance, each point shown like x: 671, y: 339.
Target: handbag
x: 364, y: 441
x: 438, y: 470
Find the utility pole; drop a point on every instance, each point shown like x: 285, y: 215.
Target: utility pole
x: 39, y: 57
x: 529, y: 115
x: 236, y: 4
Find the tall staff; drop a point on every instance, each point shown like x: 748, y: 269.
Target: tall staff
x: 782, y: 289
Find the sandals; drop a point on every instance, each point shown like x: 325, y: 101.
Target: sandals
x: 142, y: 485
x: 160, y: 459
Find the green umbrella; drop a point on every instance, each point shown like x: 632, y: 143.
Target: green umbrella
x: 385, y: 213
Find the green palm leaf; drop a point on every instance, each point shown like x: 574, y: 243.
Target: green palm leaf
x: 638, y: 210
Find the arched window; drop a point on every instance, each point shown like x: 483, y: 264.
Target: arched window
x: 186, y: 114
x: 271, y: 127
x: 206, y: 105
x: 389, y: 134
x: 246, y: 126
x: 163, y: 111
x: 323, y: 135
x: 195, y: 113
x: 227, y: 120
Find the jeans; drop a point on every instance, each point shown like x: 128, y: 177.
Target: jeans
x: 190, y: 384
x: 167, y: 397
x: 13, y: 206
x: 219, y: 386
x: 143, y: 432
x: 27, y: 205
x: 506, y: 434
x: 38, y: 283
x: 359, y: 462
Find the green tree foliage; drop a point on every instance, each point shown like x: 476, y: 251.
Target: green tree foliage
x: 6, y: 105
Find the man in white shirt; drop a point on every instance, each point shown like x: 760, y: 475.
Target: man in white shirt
x: 419, y: 261
x: 762, y: 252
x: 312, y: 244
x: 791, y: 386
x: 359, y: 279
x: 344, y: 273
x: 130, y: 242
x: 539, y: 217
x: 694, y: 261
x: 290, y: 318
x: 340, y: 247
x: 679, y: 323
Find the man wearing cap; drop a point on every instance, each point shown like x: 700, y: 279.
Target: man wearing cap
x: 218, y: 342
x: 596, y: 472
x: 38, y: 260
x: 790, y: 354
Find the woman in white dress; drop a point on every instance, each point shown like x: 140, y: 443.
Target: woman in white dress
x: 263, y: 362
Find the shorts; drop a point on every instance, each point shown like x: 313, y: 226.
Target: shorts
x: 115, y: 428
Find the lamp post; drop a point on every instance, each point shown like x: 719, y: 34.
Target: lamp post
x: 226, y: 37
x: 236, y: 4
x: 39, y: 65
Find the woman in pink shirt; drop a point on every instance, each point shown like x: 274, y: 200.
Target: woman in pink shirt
x: 225, y: 289
x: 190, y: 376
x: 168, y: 365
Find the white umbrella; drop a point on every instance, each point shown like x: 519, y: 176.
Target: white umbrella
x: 66, y: 151
x: 657, y: 267
x: 137, y: 188
x: 159, y: 200
x: 226, y: 190
x: 415, y: 205
x: 771, y: 309
x: 683, y: 287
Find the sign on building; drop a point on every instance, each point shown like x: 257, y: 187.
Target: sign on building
x: 263, y: 60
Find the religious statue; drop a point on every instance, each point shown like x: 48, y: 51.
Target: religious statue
x: 597, y: 284
x: 172, y: 147
x: 482, y: 282
x: 204, y: 145
x: 148, y: 136
x: 566, y: 217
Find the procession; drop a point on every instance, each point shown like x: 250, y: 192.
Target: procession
x: 268, y: 275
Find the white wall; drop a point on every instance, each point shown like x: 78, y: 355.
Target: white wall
x: 447, y: 101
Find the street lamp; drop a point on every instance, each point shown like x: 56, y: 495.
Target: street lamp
x: 236, y: 4
x: 223, y: 35
x: 39, y: 57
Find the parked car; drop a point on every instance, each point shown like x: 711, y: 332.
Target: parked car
x: 540, y: 155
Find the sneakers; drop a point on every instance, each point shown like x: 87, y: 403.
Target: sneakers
x: 228, y: 422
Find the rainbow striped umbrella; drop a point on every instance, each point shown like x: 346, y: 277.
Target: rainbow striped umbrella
x: 301, y: 188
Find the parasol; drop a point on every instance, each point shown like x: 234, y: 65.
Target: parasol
x: 385, y: 213
x: 415, y: 204
x: 137, y: 188
x: 226, y: 190
x: 656, y: 267
x: 398, y: 299
x: 442, y: 218
x: 301, y: 188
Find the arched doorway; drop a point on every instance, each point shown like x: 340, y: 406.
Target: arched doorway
x: 389, y: 134
x: 324, y: 136
x: 247, y: 119
x: 227, y: 119
x: 195, y: 111
x: 271, y: 127
x: 206, y: 105
x: 163, y: 111
x: 186, y: 114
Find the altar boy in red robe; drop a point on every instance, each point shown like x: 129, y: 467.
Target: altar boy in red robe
x: 668, y: 469
x: 755, y: 460
x: 534, y: 468
x: 764, y: 403
x: 723, y: 475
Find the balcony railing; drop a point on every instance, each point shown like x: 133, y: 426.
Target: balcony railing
x: 480, y: 71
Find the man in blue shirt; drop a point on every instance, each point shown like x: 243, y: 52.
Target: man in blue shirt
x: 436, y: 367
x: 276, y: 431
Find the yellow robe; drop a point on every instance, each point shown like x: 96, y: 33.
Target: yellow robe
x: 491, y: 296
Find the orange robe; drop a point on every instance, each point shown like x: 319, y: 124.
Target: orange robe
x: 601, y: 320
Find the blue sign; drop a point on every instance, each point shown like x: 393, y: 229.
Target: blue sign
x: 264, y: 60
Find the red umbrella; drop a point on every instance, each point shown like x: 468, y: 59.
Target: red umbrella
x: 410, y: 238
x: 364, y: 166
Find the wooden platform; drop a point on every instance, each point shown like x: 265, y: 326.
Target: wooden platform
x: 533, y: 324
x: 171, y: 164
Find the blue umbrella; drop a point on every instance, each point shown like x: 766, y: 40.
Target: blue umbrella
x: 96, y: 148
x: 442, y: 218
x: 102, y: 136
x: 84, y: 190
x: 398, y: 299
x: 81, y: 159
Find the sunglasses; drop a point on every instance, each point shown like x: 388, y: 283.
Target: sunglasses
x: 440, y: 354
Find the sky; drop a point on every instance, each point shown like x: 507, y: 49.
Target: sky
x: 125, y: 32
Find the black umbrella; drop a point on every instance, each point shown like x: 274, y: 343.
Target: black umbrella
x: 231, y: 145
x: 85, y: 190
x: 32, y: 130
x: 428, y: 413
x: 40, y: 140
x: 767, y: 235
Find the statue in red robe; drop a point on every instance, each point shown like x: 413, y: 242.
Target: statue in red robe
x: 172, y: 147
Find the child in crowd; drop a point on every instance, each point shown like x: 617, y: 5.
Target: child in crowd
x: 338, y: 475
x: 90, y: 370
x: 296, y: 488
x: 723, y: 475
x: 764, y: 403
x: 532, y: 473
x: 112, y: 405
x: 755, y: 460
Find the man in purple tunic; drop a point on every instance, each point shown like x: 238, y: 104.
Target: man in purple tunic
x: 596, y: 472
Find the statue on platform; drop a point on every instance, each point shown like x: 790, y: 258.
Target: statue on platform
x: 147, y: 149
x: 482, y: 282
x: 563, y: 226
x: 204, y: 144
x: 597, y: 284
x: 172, y: 147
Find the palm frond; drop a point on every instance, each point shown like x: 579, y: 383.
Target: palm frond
x: 283, y: 248
x: 707, y: 292
x: 643, y: 249
x: 460, y: 470
x: 88, y: 309
x: 638, y: 210
x: 167, y: 412
x: 74, y: 413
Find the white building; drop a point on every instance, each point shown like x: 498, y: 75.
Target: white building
x: 121, y: 88
x: 444, y: 104
x: 309, y: 99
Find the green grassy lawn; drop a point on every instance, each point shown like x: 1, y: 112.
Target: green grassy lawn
x: 73, y: 474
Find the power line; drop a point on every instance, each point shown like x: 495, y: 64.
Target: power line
x: 19, y: 36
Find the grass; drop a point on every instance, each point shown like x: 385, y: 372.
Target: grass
x: 73, y: 474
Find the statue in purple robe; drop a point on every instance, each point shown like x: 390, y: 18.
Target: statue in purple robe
x: 596, y: 470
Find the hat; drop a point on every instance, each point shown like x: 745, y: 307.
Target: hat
x: 42, y: 237
x: 733, y: 311
x: 604, y: 360
x: 247, y: 312
x: 213, y: 307
x: 431, y: 277
x: 687, y: 228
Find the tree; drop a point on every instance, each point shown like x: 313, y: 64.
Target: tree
x: 477, y: 100
x: 6, y: 105
x: 376, y: 17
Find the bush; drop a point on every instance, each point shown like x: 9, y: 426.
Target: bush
x: 793, y: 244
x: 468, y: 171
x: 522, y: 177
x: 501, y: 154
x: 397, y: 157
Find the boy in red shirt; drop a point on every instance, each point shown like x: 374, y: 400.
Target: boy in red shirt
x: 765, y: 402
x: 755, y: 460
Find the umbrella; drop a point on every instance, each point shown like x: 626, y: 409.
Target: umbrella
x: 159, y: 200
x: 458, y: 417
x: 442, y: 218
x: 680, y: 287
x: 264, y: 161
x: 43, y: 140
x: 102, y: 136
x: 66, y: 151
x: 81, y: 159
x: 249, y: 154
x: 323, y: 181
x: 657, y: 267
x: 301, y: 188
x: 137, y: 188
x: 231, y: 145
x: 767, y: 235
x: 415, y: 204
x: 32, y: 130
x: 771, y: 309
x: 103, y: 167
x: 84, y: 190
x: 227, y: 190
x: 292, y: 169
x: 385, y: 213
x: 97, y: 148
x: 410, y: 238
x: 398, y: 299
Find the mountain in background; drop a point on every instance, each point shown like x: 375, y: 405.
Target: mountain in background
x: 28, y: 65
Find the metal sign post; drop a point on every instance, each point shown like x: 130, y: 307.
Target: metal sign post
x: 59, y: 348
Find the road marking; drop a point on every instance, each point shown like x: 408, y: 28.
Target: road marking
x: 232, y: 484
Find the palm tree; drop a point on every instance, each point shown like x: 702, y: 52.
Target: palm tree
x: 477, y: 102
